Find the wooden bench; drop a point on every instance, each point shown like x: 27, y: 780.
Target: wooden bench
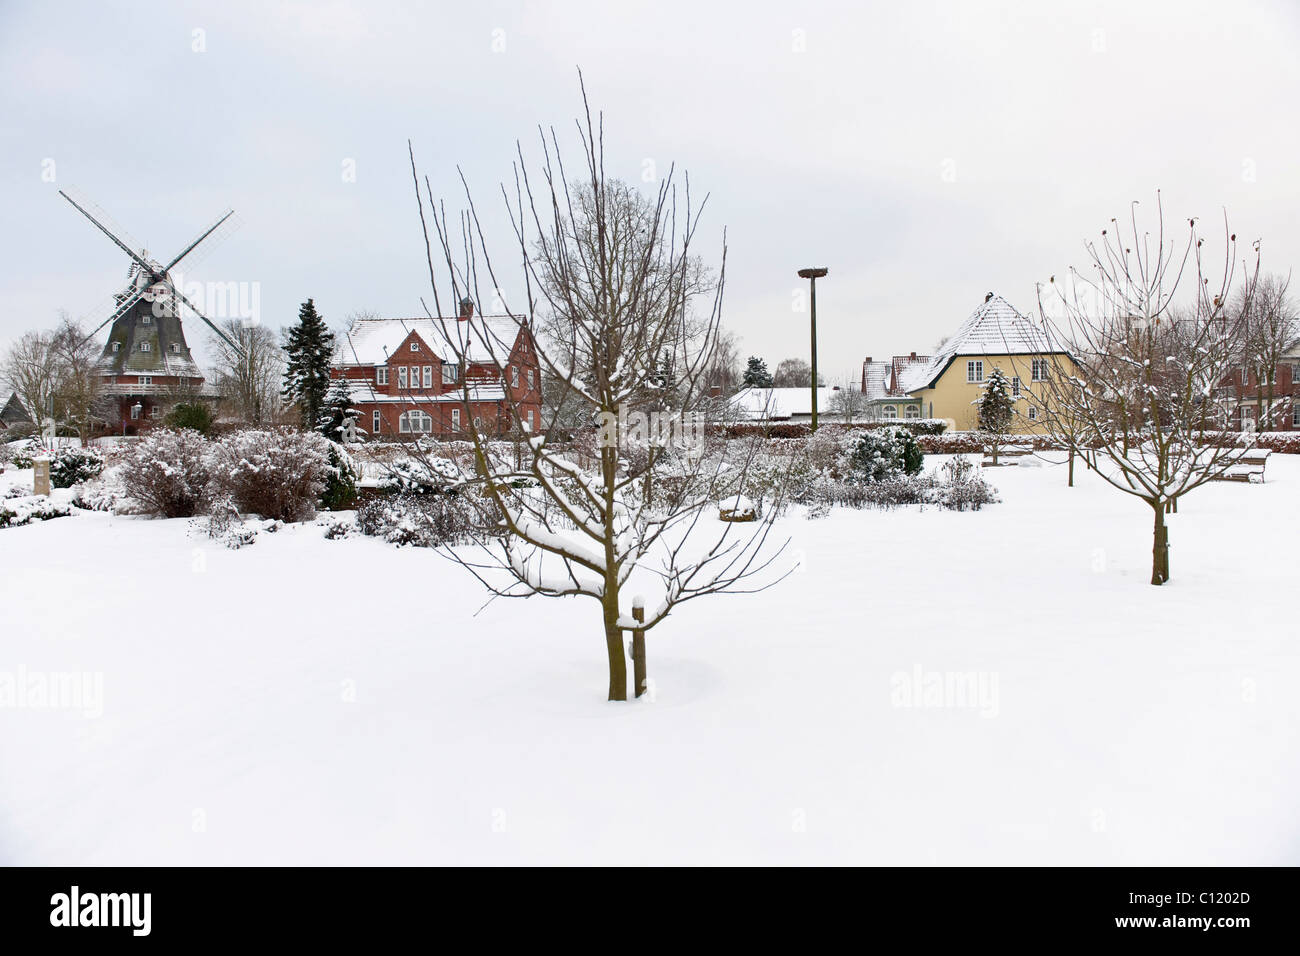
x: 1245, y: 472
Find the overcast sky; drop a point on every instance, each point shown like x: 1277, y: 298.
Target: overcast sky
x: 926, y: 154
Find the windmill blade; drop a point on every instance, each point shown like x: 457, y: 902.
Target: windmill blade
x: 224, y: 337
x: 121, y: 310
x: 190, y: 248
x: 105, y: 230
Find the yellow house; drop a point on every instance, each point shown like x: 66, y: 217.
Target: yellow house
x: 995, y: 336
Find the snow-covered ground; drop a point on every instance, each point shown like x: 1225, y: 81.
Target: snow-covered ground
x: 305, y: 700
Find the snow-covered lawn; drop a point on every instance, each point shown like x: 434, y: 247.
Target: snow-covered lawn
x: 305, y: 700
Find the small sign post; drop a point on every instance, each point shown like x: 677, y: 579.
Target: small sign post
x: 41, y: 479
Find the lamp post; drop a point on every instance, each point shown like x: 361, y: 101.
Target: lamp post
x: 812, y: 275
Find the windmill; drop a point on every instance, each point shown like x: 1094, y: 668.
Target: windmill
x: 146, y: 355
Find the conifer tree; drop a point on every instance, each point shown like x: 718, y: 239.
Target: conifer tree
x: 995, y: 409
x: 756, y: 374
x: 308, y: 347
x: 338, y: 413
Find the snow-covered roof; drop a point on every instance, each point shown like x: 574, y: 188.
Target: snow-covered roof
x: 373, y: 341
x: 778, y: 403
x: 365, y: 392
x: 995, y: 328
x: 875, y: 379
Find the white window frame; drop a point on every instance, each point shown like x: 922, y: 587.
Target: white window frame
x: 117, y: 346
x: 889, y: 412
x: 1038, y: 370
x: 135, y: 412
x: 145, y: 379
x: 454, y: 369
x: 145, y: 347
x: 381, y: 374
x: 401, y: 376
x: 1032, y: 414
x: 974, y: 371
x: 415, y: 346
x: 912, y: 412
x: 1015, y: 386
x: 455, y: 419
x: 176, y: 349
x: 376, y: 421
x: 514, y: 376
x: 146, y: 319
x: 528, y: 419
x: 428, y: 376
x: 1245, y: 375
x: 530, y: 379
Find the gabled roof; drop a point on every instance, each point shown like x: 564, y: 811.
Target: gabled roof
x: 14, y: 413
x: 995, y: 328
x: 374, y: 341
x: 875, y: 379
x: 778, y: 403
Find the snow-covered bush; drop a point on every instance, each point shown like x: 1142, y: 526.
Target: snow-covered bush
x: 20, y: 511
x: 106, y: 493
x: 22, y: 452
x: 276, y: 473
x: 340, y: 492
x: 884, y: 453
x: 419, y: 476
x: 963, y: 488
x: 338, y: 528
x: 423, y: 521
x: 70, y: 466
x: 169, y: 473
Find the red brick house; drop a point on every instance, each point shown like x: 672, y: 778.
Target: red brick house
x: 407, y: 375
x: 1249, y: 399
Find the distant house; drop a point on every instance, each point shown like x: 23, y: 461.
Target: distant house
x: 1266, y: 406
x: 995, y: 335
x: 407, y: 377
x: 882, y: 386
x: 13, y: 414
x: 780, y: 404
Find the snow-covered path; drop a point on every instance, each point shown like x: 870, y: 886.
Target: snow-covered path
x: 314, y: 701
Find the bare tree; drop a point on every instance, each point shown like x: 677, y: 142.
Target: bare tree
x: 1148, y: 338
x: 249, y: 376
x: 848, y: 401
x: 78, y: 398
x: 794, y: 373
x: 1271, y: 330
x: 616, y: 286
x: 725, y: 372
x: 31, y: 369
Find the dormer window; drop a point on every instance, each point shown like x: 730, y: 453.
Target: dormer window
x: 144, y: 347
x: 117, y: 346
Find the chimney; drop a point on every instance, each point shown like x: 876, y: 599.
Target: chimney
x: 912, y: 356
x: 868, y: 360
x: 715, y: 391
x: 466, y: 308
x: 988, y: 297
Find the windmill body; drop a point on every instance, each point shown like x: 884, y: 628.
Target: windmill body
x: 146, y: 366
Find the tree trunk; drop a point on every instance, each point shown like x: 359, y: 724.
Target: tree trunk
x: 1160, y: 547
x: 638, y: 655
x: 1071, y: 484
x: 614, y: 647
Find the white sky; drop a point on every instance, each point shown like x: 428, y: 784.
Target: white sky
x: 926, y: 154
